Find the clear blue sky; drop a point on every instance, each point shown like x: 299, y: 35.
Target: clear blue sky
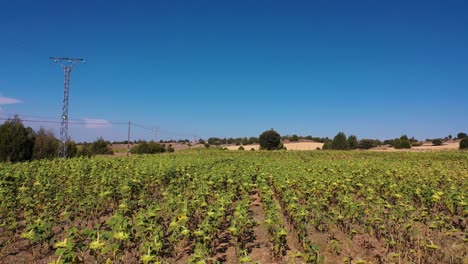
x: 377, y: 69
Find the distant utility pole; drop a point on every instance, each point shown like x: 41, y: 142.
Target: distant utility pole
x: 128, y: 139
x: 67, y: 66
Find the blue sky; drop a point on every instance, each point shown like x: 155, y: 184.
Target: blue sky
x: 377, y: 69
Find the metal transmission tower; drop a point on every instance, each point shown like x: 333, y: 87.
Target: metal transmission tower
x: 67, y: 66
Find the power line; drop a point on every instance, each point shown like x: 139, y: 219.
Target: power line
x: 73, y: 123
x: 165, y: 132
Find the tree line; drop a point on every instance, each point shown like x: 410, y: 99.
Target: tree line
x: 20, y: 143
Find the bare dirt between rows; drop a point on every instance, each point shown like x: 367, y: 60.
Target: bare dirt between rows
x: 261, y: 251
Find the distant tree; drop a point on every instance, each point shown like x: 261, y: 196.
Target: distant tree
x: 402, y: 143
x: 214, y: 141
x: 464, y: 143
x: 100, y: 147
x: 326, y: 146
x: 450, y: 136
x: 270, y: 140
x: 171, y: 149
x: 461, y: 135
x: 148, y: 148
x: 294, y: 138
x: 45, y: 145
x: 339, y: 142
x: 437, y: 142
x: 72, y: 149
x: 84, y: 150
x: 352, y: 142
x: 367, y: 143
x: 16, y: 141
x: 201, y: 141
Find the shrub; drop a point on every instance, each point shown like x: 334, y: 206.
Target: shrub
x: 72, y: 150
x: 402, y: 143
x: 84, y: 151
x: 339, y: 142
x: 252, y: 149
x: 100, y: 147
x: 270, y: 140
x: 241, y: 148
x: 170, y: 149
x: 366, y: 144
x: 326, y: 146
x: 464, y: 143
x: 45, y: 145
x: 461, y: 135
x: 352, y: 142
x: 16, y: 141
x: 148, y: 148
x: 294, y: 138
x: 416, y: 144
x: 437, y: 142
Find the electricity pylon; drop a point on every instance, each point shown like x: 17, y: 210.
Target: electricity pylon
x: 67, y: 66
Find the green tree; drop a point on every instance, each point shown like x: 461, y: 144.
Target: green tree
x: 339, y: 142
x: 16, y: 141
x: 270, y: 140
x: 100, y: 147
x: 148, y: 148
x: 84, y: 150
x: 45, y: 145
x: 461, y: 135
x: 367, y: 143
x: 464, y: 143
x: 352, y: 142
x: 294, y: 138
x: 72, y: 149
x: 437, y: 142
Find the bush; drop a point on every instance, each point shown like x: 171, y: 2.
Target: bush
x: 171, y: 149
x: 461, y: 135
x: 84, y: 151
x: 339, y: 142
x: 402, y: 143
x: 405, y: 144
x: 294, y: 138
x: 270, y: 140
x: 352, y: 142
x: 148, y: 148
x: 241, y: 148
x: 367, y: 144
x: 464, y: 143
x: 252, y: 149
x: 100, y: 147
x: 416, y: 144
x: 45, y: 145
x: 16, y: 141
x: 437, y: 142
x: 72, y: 150
x: 326, y: 146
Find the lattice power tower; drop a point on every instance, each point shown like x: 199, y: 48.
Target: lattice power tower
x: 67, y: 66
